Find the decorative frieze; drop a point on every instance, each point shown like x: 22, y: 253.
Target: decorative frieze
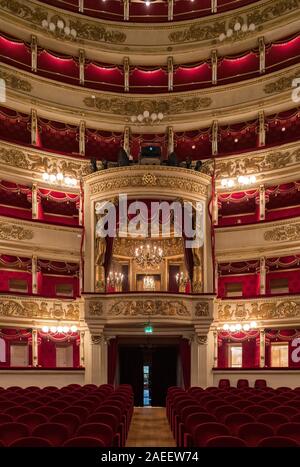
x: 202, y: 309
x: 283, y: 233
x: 281, y: 84
x: 95, y: 309
x: 12, y: 81
x: 258, y: 310
x: 14, y: 232
x: 129, y: 106
x: 39, y: 163
x: 149, y: 308
x: 12, y: 307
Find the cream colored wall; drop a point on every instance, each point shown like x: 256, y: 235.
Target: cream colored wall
x: 40, y: 378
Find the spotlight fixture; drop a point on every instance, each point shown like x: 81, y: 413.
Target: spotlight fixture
x: 59, y: 329
x: 237, y: 31
x: 59, y: 178
x: 241, y: 180
x: 239, y: 326
x: 146, y: 118
x: 60, y: 28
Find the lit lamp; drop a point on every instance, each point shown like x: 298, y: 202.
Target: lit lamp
x: 115, y: 280
x: 182, y: 280
x: 148, y: 328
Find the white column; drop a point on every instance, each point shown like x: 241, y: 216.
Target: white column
x: 170, y: 139
x: 261, y: 129
x: 34, y: 127
x: 34, y: 271
x: 34, y: 348
x: 81, y: 277
x: 82, y: 137
x: 34, y: 54
x: 214, y: 6
x: 126, y: 139
x: 215, y: 334
x: 96, y: 364
x: 214, y: 137
x: 170, y: 10
x: 126, y: 69
x: 262, y: 276
x: 34, y: 201
x: 262, y: 54
x: 81, y: 6
x: 262, y: 342
x: 170, y: 73
x: 82, y: 349
x: 262, y: 203
x: 202, y: 355
x: 214, y: 67
x: 126, y: 10
x: 81, y: 66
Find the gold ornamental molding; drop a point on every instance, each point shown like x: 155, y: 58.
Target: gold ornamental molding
x: 12, y: 81
x: 283, y: 233
x: 14, y: 232
x: 165, y: 180
x: 281, y: 84
x: 265, y: 309
x: 14, y: 156
x: 14, y: 307
x: 266, y: 161
x: 172, y: 307
x: 130, y: 106
x: 86, y: 29
x: 149, y: 308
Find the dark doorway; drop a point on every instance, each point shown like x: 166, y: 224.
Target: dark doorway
x: 160, y: 362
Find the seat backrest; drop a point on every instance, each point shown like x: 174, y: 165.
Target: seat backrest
x: 260, y: 383
x: 277, y: 442
x: 70, y: 420
x: 224, y: 383
x: 255, y: 410
x: 252, y: 433
x: 242, y: 383
x: 31, y: 442
x: 11, y: 431
x: 102, y: 430
x: 205, y: 431
x: 31, y: 420
x: 197, y: 418
x: 56, y: 433
x: 290, y: 429
x: 84, y: 442
x: 273, y: 419
x: 225, y: 442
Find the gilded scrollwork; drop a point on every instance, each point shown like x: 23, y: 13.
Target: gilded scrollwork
x: 95, y: 309
x: 13, y: 82
x: 282, y: 84
x: 127, y: 107
x: 283, y: 233
x: 256, y: 310
x: 149, y: 308
x: 39, y: 163
x: 14, y: 232
x: 202, y: 309
x: 11, y: 307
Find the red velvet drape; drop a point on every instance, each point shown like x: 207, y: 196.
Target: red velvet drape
x: 185, y: 355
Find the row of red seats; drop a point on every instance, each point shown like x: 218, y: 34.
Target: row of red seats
x: 250, y: 414
x: 72, y: 416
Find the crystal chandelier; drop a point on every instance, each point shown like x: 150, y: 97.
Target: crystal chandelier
x: 148, y: 256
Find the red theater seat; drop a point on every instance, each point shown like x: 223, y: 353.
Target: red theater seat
x: 71, y: 421
x: 95, y: 430
x: 31, y: 420
x: 31, y: 442
x: 84, y: 442
x: 224, y: 383
x: 260, y: 383
x: 291, y: 430
x: 253, y: 433
x: 226, y: 442
x: 235, y: 420
x: 286, y: 410
x: 277, y: 442
x: 255, y: 410
x: 55, y: 433
x: 272, y: 419
x: 9, y: 432
x: 242, y: 384
x: 204, y: 432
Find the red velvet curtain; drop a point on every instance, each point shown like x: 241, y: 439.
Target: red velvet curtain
x: 185, y: 355
x: 112, y: 357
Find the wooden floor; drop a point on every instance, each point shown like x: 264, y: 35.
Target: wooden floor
x: 150, y: 428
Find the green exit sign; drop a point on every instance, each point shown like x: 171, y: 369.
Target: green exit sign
x: 148, y: 329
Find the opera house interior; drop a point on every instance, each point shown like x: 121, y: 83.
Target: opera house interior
x: 149, y: 223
